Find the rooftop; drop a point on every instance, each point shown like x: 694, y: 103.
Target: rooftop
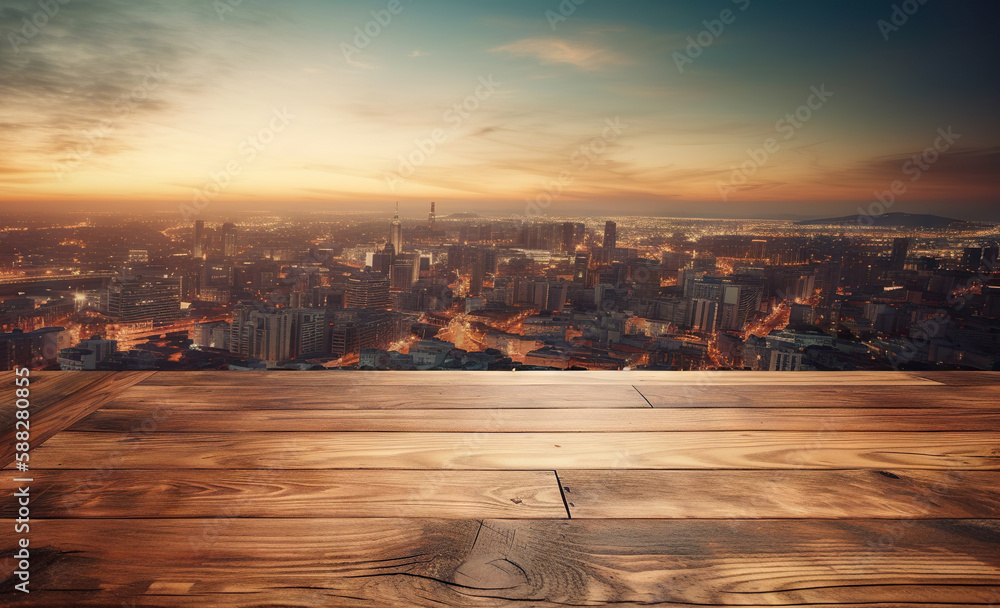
x: 499, y: 489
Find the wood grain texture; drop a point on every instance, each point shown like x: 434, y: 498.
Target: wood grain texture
x: 431, y: 562
x: 503, y: 420
x: 280, y: 493
x: 559, y: 378
x: 522, y: 451
x: 453, y: 489
x: 876, y: 396
x: 901, y: 494
x: 57, y: 401
x: 306, y: 396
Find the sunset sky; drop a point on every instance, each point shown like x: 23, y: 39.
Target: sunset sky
x: 112, y: 104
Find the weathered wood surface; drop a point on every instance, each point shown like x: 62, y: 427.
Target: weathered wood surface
x: 522, y: 451
x: 430, y: 562
x: 560, y: 378
x: 283, y: 493
x: 363, y: 397
x: 823, y: 396
x: 498, y: 490
x: 894, y: 494
x: 56, y: 402
x: 184, y: 419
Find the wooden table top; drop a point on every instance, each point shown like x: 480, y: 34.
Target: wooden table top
x: 497, y: 489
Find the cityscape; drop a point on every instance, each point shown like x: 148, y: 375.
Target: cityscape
x: 459, y: 291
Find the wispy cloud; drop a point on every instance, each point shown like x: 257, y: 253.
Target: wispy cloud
x: 554, y: 51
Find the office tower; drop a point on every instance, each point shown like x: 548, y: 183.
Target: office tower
x: 486, y: 233
x: 410, y: 261
x: 478, y: 274
x: 197, y: 247
x: 431, y: 218
x: 367, y: 290
x: 972, y: 258
x: 456, y: 257
x: 383, y: 259
x: 396, y: 233
x: 568, y: 236
x: 308, y: 332
x: 216, y: 273
x: 581, y: 268
x: 739, y: 302
x: 900, y: 249
x: 401, y: 273
x: 229, y: 240
x: 829, y: 281
x: 758, y: 249
x: 142, y: 299
x: 261, y: 333
x: 610, y: 240
x: 491, y: 260
x: 704, y: 298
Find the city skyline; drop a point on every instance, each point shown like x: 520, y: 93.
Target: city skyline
x: 731, y: 110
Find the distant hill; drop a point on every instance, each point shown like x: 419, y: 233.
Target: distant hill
x: 464, y: 215
x: 896, y: 220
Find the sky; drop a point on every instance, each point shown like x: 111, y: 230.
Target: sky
x: 688, y: 108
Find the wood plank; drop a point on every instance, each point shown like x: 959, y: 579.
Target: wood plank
x: 822, y: 396
x: 522, y: 451
x: 497, y: 378
x: 966, y: 378
x: 58, y: 401
x: 291, y: 494
x: 904, y: 494
x: 309, y: 598
x: 306, y: 395
x: 182, y: 419
x: 432, y: 562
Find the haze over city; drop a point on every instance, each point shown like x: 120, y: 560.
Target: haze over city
x: 724, y: 109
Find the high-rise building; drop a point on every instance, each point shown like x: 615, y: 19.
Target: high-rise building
x: 900, y: 249
x: 396, y: 232
x: 431, y: 218
x: 478, y: 274
x: 739, y: 302
x: 704, y: 295
x: 262, y: 333
x: 972, y: 258
x: 610, y: 240
x: 383, y: 259
x: 309, y: 329
x: 758, y: 249
x: 229, y: 240
x: 198, y: 246
x: 401, y: 276
x: 367, y: 290
x: 581, y: 268
x: 142, y: 299
x: 404, y: 271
